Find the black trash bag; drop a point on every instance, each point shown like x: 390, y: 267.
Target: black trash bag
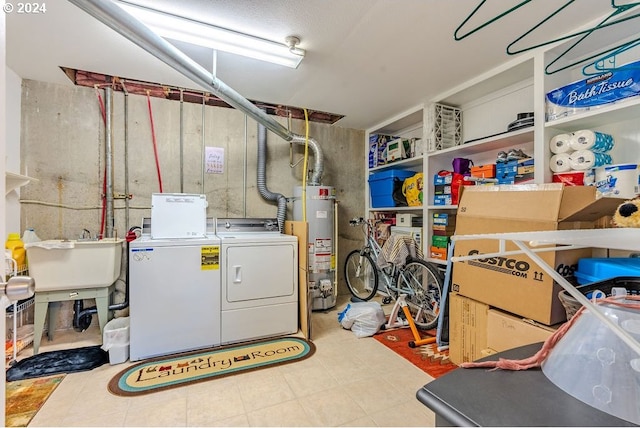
x: 398, y: 197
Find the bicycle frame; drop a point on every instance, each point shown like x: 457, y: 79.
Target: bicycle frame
x: 389, y: 277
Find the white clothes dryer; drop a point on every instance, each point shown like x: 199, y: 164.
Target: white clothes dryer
x: 259, y: 267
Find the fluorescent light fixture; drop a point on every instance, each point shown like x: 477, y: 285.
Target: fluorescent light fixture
x: 217, y: 38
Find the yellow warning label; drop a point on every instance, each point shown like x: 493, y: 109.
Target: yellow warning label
x: 210, y: 257
x: 333, y: 261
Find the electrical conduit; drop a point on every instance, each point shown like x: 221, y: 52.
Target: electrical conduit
x: 117, y: 19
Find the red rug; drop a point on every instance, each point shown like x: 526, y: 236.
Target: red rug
x: 427, y: 357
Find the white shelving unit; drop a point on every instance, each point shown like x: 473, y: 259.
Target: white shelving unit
x: 493, y: 100
x: 409, y: 124
x: 18, y: 318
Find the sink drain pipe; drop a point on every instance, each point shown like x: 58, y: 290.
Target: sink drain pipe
x: 82, y: 316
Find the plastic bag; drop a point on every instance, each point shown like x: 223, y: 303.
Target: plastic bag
x: 363, y: 318
x: 412, y: 190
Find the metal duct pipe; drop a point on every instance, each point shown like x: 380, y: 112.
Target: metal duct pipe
x: 117, y: 19
x: 262, y: 178
x: 108, y: 150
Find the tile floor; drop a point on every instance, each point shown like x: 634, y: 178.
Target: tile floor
x: 347, y: 382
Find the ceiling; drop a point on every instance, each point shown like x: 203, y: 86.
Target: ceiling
x: 368, y: 60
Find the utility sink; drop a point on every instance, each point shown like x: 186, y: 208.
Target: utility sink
x: 74, y: 264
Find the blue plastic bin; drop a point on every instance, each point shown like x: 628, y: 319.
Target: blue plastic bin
x: 598, y: 269
x: 381, y: 186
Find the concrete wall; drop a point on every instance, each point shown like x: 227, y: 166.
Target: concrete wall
x: 62, y: 145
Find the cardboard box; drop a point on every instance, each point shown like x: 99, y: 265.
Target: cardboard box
x: 506, y: 331
x: 300, y: 229
x: 440, y: 230
x: 442, y: 189
x: 515, y: 283
x: 439, y: 241
x: 404, y: 219
x: 444, y: 219
x: 438, y: 253
x: 467, y: 328
x: 442, y: 200
x: 484, y: 171
x: 442, y: 179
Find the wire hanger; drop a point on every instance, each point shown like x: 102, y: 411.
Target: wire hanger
x: 586, y: 33
x: 600, y: 64
x: 618, y: 9
x: 489, y: 22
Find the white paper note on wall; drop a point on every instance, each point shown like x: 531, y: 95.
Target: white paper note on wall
x: 214, y: 160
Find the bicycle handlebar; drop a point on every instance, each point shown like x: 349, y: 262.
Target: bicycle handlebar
x: 356, y: 221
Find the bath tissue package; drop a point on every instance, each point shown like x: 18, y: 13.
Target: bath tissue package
x: 594, y: 92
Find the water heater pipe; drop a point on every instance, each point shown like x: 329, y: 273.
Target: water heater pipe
x: 122, y: 22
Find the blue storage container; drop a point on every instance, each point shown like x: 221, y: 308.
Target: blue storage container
x: 381, y: 186
x: 598, y: 269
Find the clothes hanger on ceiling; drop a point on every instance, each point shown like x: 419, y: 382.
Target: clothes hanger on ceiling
x: 600, y: 65
x: 586, y: 33
x: 618, y: 9
x: 481, y: 26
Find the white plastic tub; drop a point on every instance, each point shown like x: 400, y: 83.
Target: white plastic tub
x: 65, y: 265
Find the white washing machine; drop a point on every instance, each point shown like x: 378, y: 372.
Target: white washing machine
x: 259, y: 267
x: 174, y: 295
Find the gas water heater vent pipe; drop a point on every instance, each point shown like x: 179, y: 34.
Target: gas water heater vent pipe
x: 117, y: 19
x: 262, y: 178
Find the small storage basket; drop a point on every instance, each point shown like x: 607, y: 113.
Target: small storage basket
x: 571, y: 305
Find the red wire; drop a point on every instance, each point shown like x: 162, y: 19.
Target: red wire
x: 104, y: 179
x: 155, y: 146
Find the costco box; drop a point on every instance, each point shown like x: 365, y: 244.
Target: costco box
x: 515, y: 283
x: 467, y: 328
x: 505, y: 331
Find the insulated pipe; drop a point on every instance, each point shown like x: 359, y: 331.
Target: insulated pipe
x: 108, y: 149
x: 262, y: 178
x: 117, y: 19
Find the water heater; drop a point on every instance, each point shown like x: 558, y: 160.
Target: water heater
x: 322, y: 244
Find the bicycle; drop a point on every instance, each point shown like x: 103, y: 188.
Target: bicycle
x: 418, y: 280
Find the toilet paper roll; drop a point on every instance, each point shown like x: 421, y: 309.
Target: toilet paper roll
x: 560, y: 162
x: 582, y: 160
x: 561, y: 143
x: 595, y: 141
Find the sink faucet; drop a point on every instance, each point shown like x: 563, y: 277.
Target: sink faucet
x: 86, y: 235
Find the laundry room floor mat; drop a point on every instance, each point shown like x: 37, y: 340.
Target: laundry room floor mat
x: 178, y: 370
x: 427, y: 357
x: 25, y: 397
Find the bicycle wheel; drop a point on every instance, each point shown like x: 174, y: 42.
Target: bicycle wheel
x: 361, y: 275
x: 425, y: 284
